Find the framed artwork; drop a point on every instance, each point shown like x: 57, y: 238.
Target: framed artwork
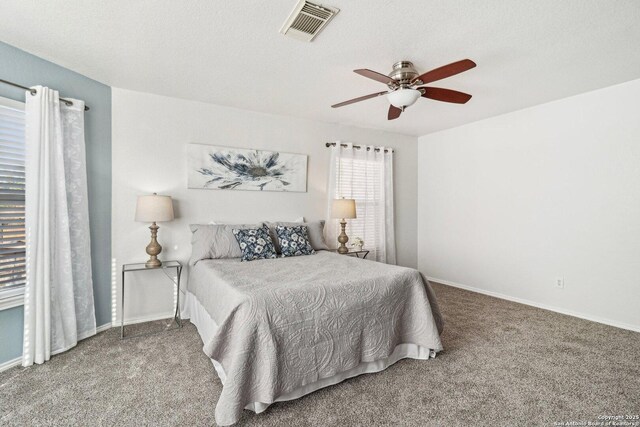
x: 225, y: 168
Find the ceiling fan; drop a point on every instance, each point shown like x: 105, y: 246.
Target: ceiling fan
x: 402, y: 82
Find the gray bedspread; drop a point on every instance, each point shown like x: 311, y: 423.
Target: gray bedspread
x: 287, y: 322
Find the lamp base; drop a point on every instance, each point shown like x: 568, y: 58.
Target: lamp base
x: 153, y: 262
x: 343, y: 238
x: 153, y: 248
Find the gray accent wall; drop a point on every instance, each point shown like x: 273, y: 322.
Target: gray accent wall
x: 11, y: 321
x: 29, y: 70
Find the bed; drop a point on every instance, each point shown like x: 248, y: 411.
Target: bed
x: 277, y: 329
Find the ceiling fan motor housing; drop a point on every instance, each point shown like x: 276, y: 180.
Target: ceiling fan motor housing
x: 403, y: 72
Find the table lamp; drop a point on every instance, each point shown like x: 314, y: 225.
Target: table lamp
x: 154, y: 209
x: 343, y: 209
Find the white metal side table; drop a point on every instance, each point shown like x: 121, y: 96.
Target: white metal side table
x: 361, y: 253
x: 166, y: 265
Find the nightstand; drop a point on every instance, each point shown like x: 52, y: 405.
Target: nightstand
x: 358, y: 254
x: 166, y: 265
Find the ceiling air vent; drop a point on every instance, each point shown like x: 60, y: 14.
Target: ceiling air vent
x: 307, y: 20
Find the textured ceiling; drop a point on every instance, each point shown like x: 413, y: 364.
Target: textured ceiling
x: 231, y: 53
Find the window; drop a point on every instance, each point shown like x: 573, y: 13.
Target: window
x: 365, y: 174
x: 12, y: 198
x: 361, y: 179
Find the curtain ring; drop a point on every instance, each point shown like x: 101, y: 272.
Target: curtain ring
x: 33, y: 92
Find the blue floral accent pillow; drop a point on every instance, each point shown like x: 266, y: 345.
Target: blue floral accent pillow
x: 255, y: 243
x: 294, y: 240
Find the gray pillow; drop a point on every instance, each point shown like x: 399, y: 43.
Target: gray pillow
x: 215, y: 241
x: 315, y: 231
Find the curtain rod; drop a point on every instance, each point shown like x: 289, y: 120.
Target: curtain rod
x: 33, y: 92
x: 333, y: 144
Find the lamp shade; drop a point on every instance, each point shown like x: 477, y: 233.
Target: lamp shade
x: 154, y: 208
x: 343, y: 208
x: 403, y: 97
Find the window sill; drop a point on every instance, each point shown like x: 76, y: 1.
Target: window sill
x: 10, y: 298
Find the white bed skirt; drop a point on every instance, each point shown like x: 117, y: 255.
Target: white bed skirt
x: 197, y: 314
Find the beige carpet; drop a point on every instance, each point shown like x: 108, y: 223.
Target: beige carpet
x: 504, y: 364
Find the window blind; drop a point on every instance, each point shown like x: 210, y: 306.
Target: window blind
x: 361, y: 180
x: 12, y: 197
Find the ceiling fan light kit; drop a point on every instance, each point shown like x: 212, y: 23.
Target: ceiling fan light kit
x: 402, y: 82
x: 403, y: 97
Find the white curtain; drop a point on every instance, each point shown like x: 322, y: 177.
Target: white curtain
x: 366, y: 175
x: 58, y: 300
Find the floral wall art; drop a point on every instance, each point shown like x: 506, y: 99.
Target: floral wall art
x: 226, y: 168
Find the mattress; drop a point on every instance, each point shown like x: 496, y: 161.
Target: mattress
x: 279, y: 329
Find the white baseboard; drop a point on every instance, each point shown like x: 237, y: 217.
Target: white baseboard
x: 103, y: 328
x: 596, y: 319
x: 143, y: 319
x: 98, y: 330
x: 10, y: 363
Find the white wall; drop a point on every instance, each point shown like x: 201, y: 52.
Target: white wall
x: 508, y: 204
x: 150, y: 136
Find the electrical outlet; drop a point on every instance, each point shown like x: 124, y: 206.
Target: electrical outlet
x: 560, y: 282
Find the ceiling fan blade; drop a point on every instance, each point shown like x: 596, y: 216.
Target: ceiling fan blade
x: 354, y: 100
x: 394, y: 112
x: 446, y: 71
x: 375, y: 76
x: 445, y: 95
